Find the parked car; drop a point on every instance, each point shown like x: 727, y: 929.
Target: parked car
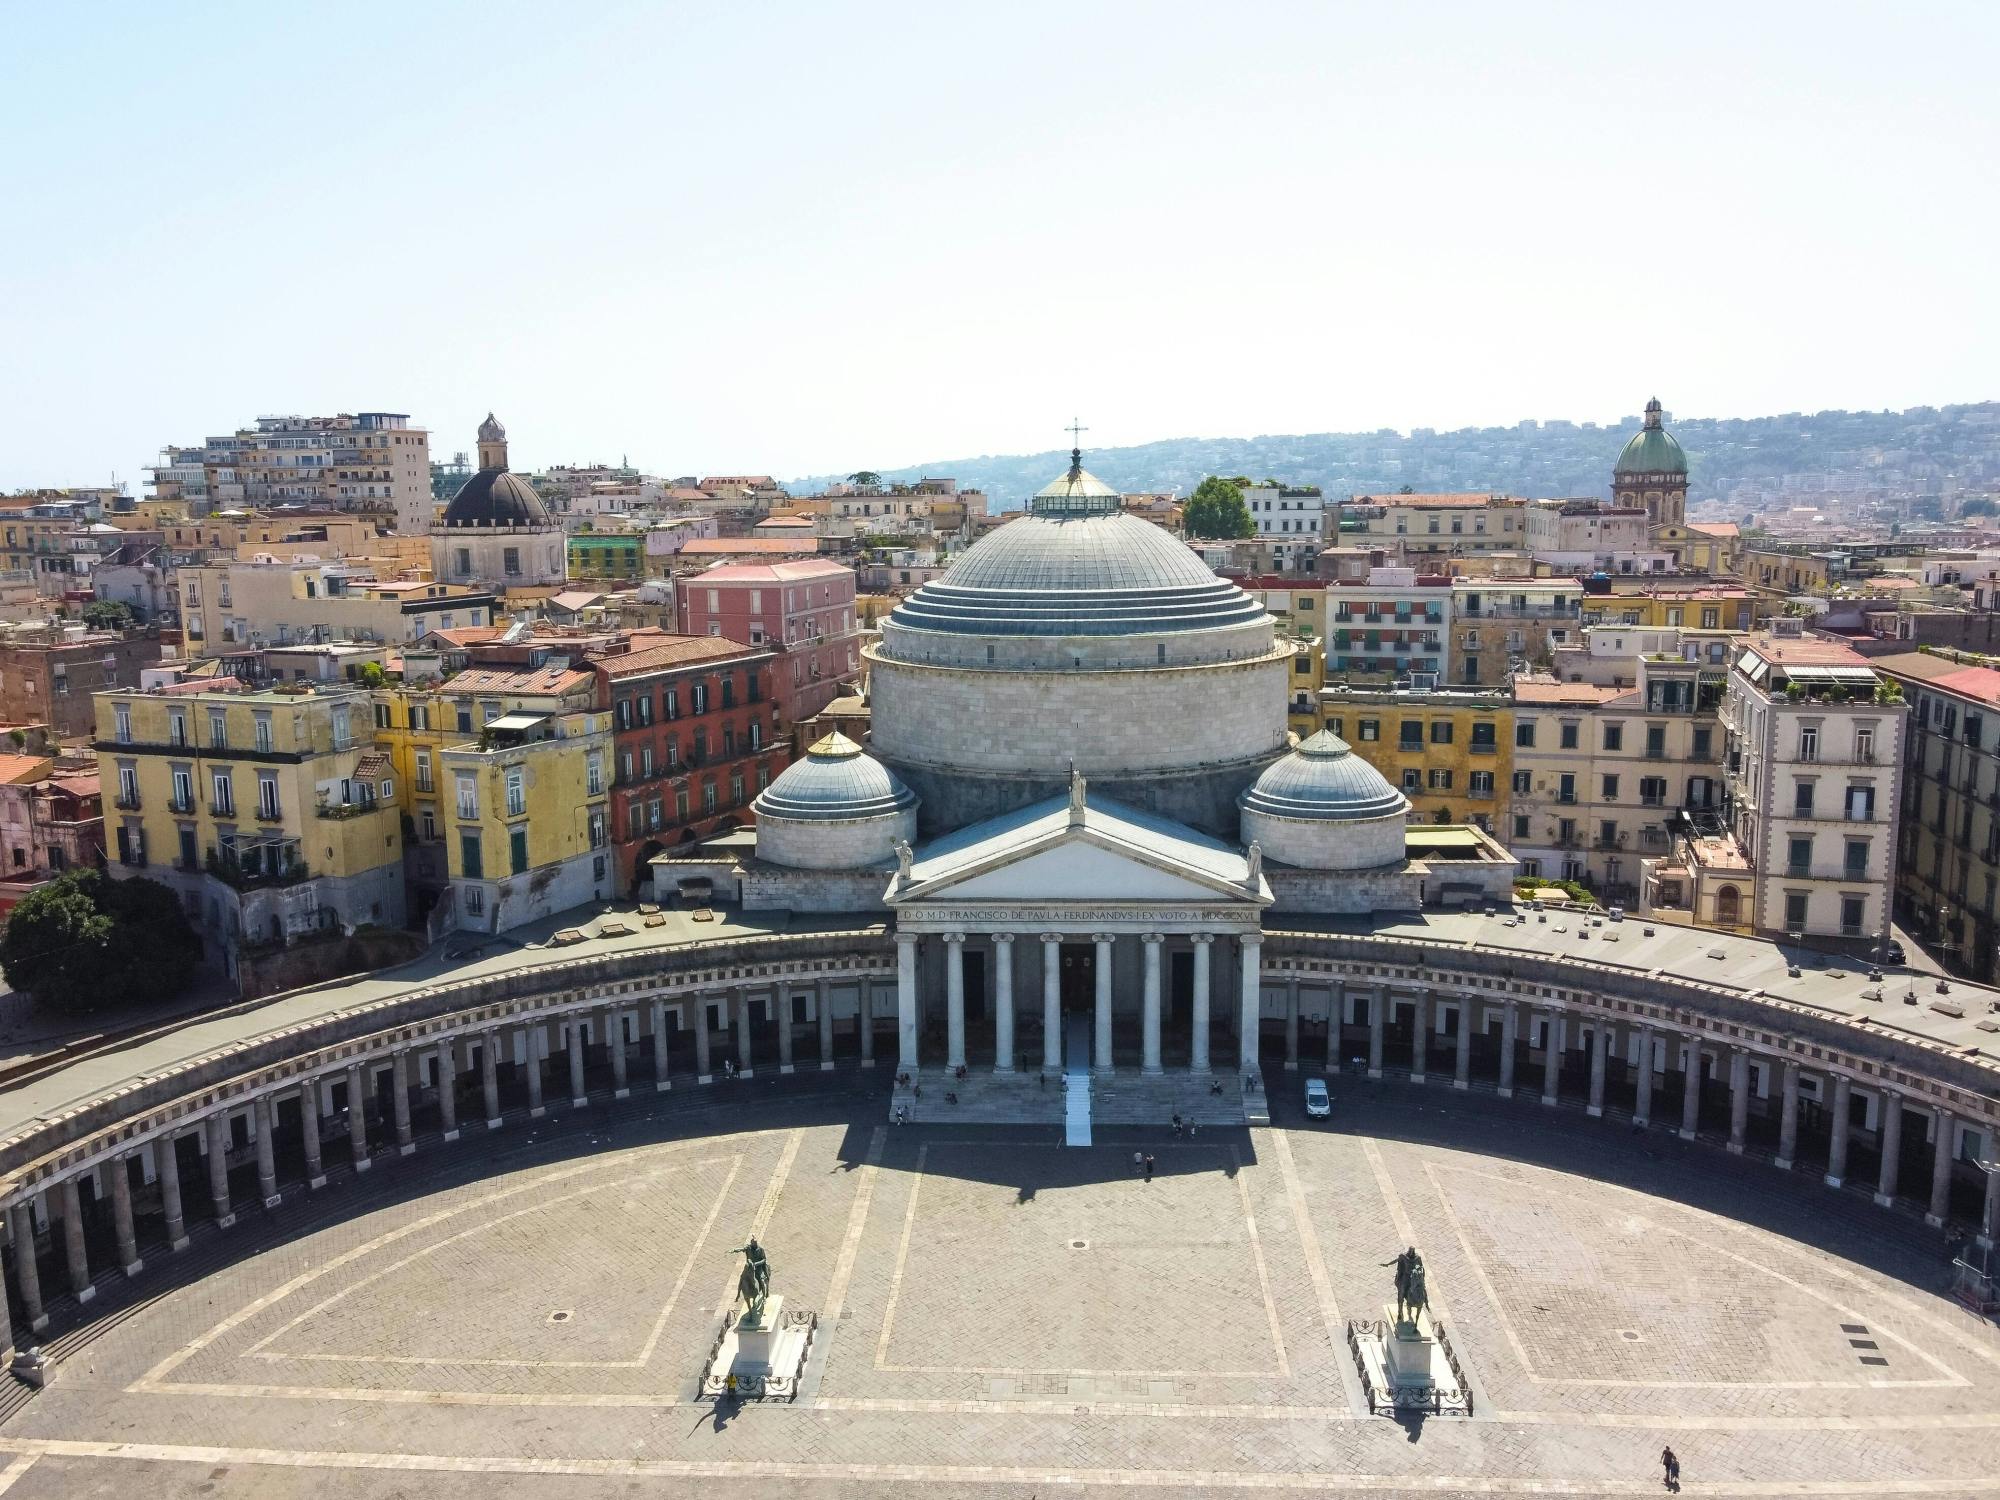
x: 1891, y: 952
x: 1319, y: 1103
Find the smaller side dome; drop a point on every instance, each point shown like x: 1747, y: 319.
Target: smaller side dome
x: 1324, y: 780
x: 1652, y: 449
x: 836, y: 780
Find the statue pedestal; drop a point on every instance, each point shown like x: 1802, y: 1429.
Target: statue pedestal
x: 763, y: 1358
x: 1407, y: 1365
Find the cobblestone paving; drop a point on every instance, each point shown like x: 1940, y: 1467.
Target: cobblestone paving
x: 1001, y: 1316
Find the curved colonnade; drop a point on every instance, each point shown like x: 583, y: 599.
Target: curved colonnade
x: 106, y: 1182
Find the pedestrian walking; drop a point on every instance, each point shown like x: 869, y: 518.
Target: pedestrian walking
x: 1191, y: 1129
x: 1672, y: 1466
x: 1138, y: 1160
x: 1149, y: 1166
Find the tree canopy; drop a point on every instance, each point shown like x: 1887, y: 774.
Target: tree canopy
x: 867, y: 478
x: 107, y: 614
x: 86, y: 941
x: 1216, y: 509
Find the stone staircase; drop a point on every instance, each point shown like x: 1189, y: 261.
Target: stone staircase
x: 984, y: 1098
x: 1129, y: 1098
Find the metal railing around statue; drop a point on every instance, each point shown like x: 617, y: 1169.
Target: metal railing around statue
x: 1383, y: 1403
x: 771, y: 1387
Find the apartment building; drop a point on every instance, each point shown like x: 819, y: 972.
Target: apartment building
x: 1812, y: 746
x: 1948, y: 848
x: 1498, y: 624
x: 51, y: 818
x: 525, y: 830
x: 1451, y: 752
x: 696, y: 736
x: 361, y: 461
x: 1603, y: 770
x: 1424, y: 529
x: 267, y: 811
x: 1292, y: 519
x: 1583, y: 536
x: 274, y: 603
x: 47, y: 674
x: 1395, y: 627
x: 606, y: 557
x: 804, y: 610
x: 1698, y: 606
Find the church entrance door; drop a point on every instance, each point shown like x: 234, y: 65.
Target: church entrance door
x: 1079, y: 977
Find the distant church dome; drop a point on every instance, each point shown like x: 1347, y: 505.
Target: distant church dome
x: 493, y: 496
x: 1325, y: 808
x: 1652, y: 449
x: 838, y: 809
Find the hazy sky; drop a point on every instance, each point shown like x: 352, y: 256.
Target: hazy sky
x: 790, y: 238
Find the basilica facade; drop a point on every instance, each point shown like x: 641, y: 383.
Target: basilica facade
x: 1082, y: 803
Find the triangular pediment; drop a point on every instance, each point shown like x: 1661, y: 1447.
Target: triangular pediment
x: 1079, y: 870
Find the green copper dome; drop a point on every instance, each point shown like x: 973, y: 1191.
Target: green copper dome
x: 1652, y: 449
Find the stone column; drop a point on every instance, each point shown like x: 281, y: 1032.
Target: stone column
x: 532, y: 1046
x: 1510, y: 1036
x: 73, y: 1249
x: 1600, y: 1054
x: 781, y: 1002
x: 906, y: 1001
x: 1198, y: 1042
x: 1836, y: 1155
x: 864, y: 1000
x: 704, y: 1067
x: 577, y: 1097
x: 823, y: 1016
x: 1989, y: 1217
x: 659, y: 1017
x: 27, y: 1270
x: 1890, y: 1107
x: 489, y: 1077
x: 1052, y: 1039
x: 447, y: 1061
x: 739, y: 1002
x: 1100, y: 1054
x: 1552, y: 1060
x: 1003, y: 1002
x: 1461, y: 1077
x: 1788, y: 1116
x: 357, y: 1116
x: 1149, y: 945
x: 1420, y: 1022
x: 1691, y: 1095
x: 167, y: 1163
x: 218, y: 1168
x: 1642, y: 1101
x: 1943, y: 1126
x: 120, y: 1170
x: 1739, y: 1098
x: 1378, y: 1018
x: 399, y: 1079
x: 1250, y: 1003
x: 954, y: 1000
x: 1336, y: 1008
x: 621, y: 1065
x: 1292, y: 1024
x: 267, y: 1160
x: 309, y: 1140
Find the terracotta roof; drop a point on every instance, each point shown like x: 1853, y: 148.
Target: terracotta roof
x: 786, y: 522
x: 1548, y: 690
x: 1716, y: 528
x: 552, y: 679
x: 468, y: 635
x: 18, y: 769
x: 678, y: 651
x: 779, y: 545
x: 1805, y: 651
x: 1981, y: 684
x: 782, y: 572
x: 575, y: 599
x: 78, y: 783
x: 373, y: 765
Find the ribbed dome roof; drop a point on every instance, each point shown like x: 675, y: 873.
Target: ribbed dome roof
x: 1652, y: 449
x: 496, y: 497
x: 836, y: 780
x: 1077, y: 564
x: 1324, y: 780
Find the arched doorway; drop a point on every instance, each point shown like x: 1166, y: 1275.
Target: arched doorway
x: 642, y: 867
x: 1728, y: 906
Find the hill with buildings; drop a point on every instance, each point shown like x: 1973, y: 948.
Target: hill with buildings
x: 1749, y: 463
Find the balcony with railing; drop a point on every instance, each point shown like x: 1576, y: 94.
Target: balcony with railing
x: 275, y: 862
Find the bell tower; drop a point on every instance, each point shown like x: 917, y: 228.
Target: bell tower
x: 492, y: 444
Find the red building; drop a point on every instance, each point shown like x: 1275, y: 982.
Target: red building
x: 695, y: 736
x: 803, y: 610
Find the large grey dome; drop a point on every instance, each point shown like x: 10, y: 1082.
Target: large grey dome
x: 1077, y: 564
x: 837, y: 780
x: 495, y: 497
x: 1324, y: 780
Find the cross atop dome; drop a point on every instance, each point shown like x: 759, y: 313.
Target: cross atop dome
x: 1074, y: 429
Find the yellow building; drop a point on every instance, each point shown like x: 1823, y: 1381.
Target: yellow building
x: 1451, y: 753
x: 269, y: 812
x: 1426, y: 529
x: 1304, y: 716
x: 1711, y: 607
x: 524, y: 818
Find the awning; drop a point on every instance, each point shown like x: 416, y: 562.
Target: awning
x: 517, y: 722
